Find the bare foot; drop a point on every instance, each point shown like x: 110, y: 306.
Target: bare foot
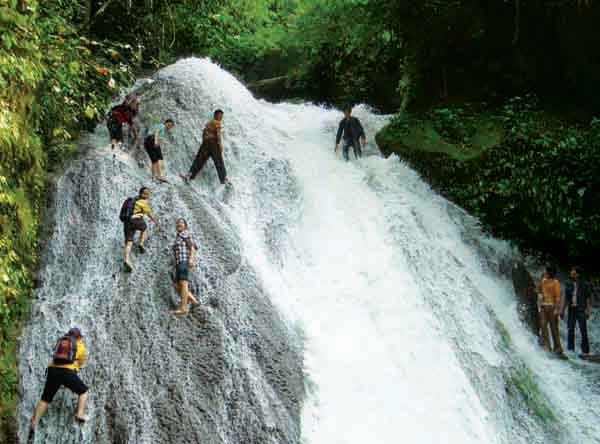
x: 179, y: 312
x: 82, y: 419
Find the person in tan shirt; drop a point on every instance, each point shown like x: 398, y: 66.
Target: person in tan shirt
x: 549, y: 288
x: 212, y: 147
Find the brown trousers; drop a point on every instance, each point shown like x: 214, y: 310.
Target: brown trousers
x: 547, y: 316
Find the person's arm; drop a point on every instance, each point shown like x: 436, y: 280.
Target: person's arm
x: 338, y: 136
x: 588, y: 301
x: 81, y: 354
x: 156, y: 133
x: 218, y: 131
x: 361, y: 132
x: 192, y: 251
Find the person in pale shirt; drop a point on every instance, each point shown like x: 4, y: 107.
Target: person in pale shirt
x: 549, y: 287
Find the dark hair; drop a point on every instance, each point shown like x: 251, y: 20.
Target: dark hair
x: 348, y: 107
x: 143, y: 189
x: 169, y: 120
x: 182, y: 220
x: 217, y: 112
x: 75, y: 332
x: 576, y: 268
x: 551, y: 271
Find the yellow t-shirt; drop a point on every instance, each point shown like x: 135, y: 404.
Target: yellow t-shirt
x: 80, y: 357
x: 142, y: 206
x: 550, y: 289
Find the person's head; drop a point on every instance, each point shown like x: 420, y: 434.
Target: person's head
x: 169, y: 124
x: 218, y: 114
x: 181, y: 225
x: 144, y: 192
x: 575, y: 272
x: 75, y: 332
x: 348, y: 111
x: 550, y: 272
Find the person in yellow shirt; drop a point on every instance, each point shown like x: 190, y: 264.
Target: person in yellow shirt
x: 141, y: 208
x: 549, y: 288
x: 62, y: 370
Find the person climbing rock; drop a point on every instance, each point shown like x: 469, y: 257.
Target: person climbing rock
x: 184, y: 252
x: 152, y: 145
x: 68, y: 358
x: 132, y: 216
x: 212, y: 146
x: 550, y: 308
x: 117, y: 116
x: 353, y: 134
x: 578, y: 297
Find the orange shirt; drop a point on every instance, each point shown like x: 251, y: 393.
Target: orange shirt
x: 550, y: 291
x: 212, y: 130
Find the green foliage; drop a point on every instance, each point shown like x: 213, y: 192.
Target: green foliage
x: 53, y: 83
x: 521, y: 383
x: 534, y: 183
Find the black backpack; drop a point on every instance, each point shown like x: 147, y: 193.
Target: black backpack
x: 127, y: 209
x: 65, y: 350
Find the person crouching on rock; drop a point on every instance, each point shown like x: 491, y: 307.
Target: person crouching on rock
x: 68, y: 358
x: 117, y: 116
x: 152, y: 145
x: 184, y: 251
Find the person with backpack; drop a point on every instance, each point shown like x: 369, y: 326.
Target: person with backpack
x: 212, y: 147
x: 184, y: 252
x: 152, y: 146
x: 132, y: 215
x: 68, y: 358
x: 353, y: 134
x: 117, y: 116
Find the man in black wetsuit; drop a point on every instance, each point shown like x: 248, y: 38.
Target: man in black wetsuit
x: 353, y: 133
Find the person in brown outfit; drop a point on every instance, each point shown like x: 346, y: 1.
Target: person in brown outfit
x: 550, y: 309
x: 211, y: 147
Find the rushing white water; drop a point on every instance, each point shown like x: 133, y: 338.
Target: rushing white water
x: 409, y: 322
x: 399, y: 311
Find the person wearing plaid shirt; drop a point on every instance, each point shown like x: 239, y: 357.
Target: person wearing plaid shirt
x: 184, y: 250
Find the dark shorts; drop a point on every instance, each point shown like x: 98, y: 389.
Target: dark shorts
x: 58, y: 377
x: 130, y: 227
x: 182, y: 272
x: 154, y: 151
x: 115, y: 129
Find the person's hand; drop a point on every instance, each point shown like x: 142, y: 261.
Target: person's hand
x: 556, y: 312
x: 588, y: 313
x: 190, y: 263
x: 337, y: 147
x: 562, y: 314
x: 157, y: 227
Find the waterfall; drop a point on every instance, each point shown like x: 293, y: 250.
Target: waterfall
x: 342, y: 302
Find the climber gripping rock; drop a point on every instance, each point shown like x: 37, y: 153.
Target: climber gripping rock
x: 117, y: 116
x: 132, y: 215
x: 212, y: 147
x: 68, y: 358
x: 152, y: 146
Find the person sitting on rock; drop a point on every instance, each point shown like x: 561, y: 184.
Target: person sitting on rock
x: 353, y: 134
x: 135, y: 222
x: 152, y: 145
x: 184, y: 252
x: 68, y: 358
x: 212, y: 146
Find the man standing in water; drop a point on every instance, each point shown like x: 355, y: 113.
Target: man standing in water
x: 353, y: 133
x: 212, y: 146
x: 578, y: 298
x: 550, y: 309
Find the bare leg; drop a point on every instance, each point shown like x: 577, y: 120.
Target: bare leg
x: 40, y: 409
x: 183, y: 293
x: 128, y: 245
x: 143, y: 237
x: 79, y: 414
x: 185, y: 288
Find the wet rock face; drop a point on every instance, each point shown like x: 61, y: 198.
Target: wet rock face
x: 230, y: 372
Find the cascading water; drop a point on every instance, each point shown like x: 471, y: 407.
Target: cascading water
x: 343, y: 302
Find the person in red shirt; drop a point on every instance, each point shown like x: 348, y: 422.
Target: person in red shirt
x: 117, y: 116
